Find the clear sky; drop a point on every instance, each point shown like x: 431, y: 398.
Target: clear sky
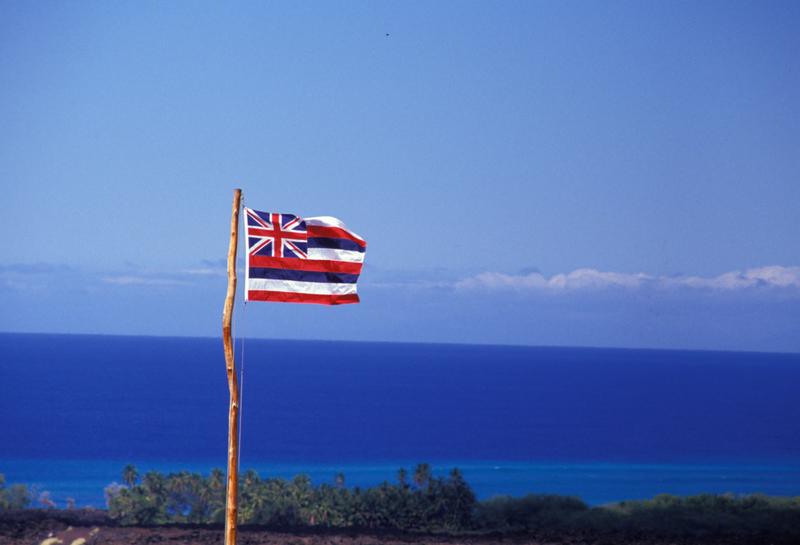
x: 548, y: 173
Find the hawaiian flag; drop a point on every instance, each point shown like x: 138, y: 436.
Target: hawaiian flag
x: 295, y: 260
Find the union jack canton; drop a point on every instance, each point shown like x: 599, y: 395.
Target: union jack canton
x: 276, y: 235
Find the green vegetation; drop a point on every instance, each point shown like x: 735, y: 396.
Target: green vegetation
x: 17, y: 497
x: 421, y: 502
x: 432, y: 504
x: 710, y: 514
x: 665, y: 514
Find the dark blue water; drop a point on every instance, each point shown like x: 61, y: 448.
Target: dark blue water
x: 604, y: 424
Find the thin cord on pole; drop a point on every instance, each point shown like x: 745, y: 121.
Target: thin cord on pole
x: 241, y: 380
x: 241, y: 372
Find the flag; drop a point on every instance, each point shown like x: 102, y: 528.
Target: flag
x: 295, y: 260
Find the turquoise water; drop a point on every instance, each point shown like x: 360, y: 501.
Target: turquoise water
x: 596, y: 484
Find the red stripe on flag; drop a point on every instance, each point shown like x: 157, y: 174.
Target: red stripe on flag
x: 319, y: 265
x: 333, y: 232
x: 291, y: 297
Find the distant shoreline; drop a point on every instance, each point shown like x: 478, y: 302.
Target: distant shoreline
x: 418, y: 504
x: 84, y: 480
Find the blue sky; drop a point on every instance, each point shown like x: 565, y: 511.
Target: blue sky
x: 548, y: 173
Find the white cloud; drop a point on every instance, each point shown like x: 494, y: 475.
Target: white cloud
x: 204, y: 271
x: 590, y: 279
x: 580, y: 279
x: 139, y: 280
x: 776, y: 275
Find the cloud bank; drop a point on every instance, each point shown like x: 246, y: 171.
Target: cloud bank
x: 752, y: 310
x: 590, y: 279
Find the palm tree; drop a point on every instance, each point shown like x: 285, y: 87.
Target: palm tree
x: 130, y: 475
x: 338, y: 480
x: 154, y: 483
x: 461, y: 500
x: 402, y: 477
x: 201, y: 507
x: 303, y: 498
x: 178, y: 487
x: 422, y: 475
x: 217, y: 478
x: 218, y: 484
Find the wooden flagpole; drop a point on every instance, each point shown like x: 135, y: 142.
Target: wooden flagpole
x: 233, y: 385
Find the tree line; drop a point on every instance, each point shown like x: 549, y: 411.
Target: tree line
x: 418, y: 501
x: 421, y: 502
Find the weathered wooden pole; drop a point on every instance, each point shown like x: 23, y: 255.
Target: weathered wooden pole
x: 233, y: 385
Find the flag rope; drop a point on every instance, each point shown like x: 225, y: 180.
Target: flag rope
x: 241, y: 380
x: 241, y: 371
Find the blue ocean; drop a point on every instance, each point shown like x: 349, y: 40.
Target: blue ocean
x: 602, y: 424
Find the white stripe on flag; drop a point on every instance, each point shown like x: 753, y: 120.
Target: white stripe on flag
x: 332, y: 254
x: 300, y: 287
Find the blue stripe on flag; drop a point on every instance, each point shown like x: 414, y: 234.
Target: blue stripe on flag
x: 302, y: 276
x: 334, y: 244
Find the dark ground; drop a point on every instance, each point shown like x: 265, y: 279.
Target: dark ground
x: 35, y: 526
